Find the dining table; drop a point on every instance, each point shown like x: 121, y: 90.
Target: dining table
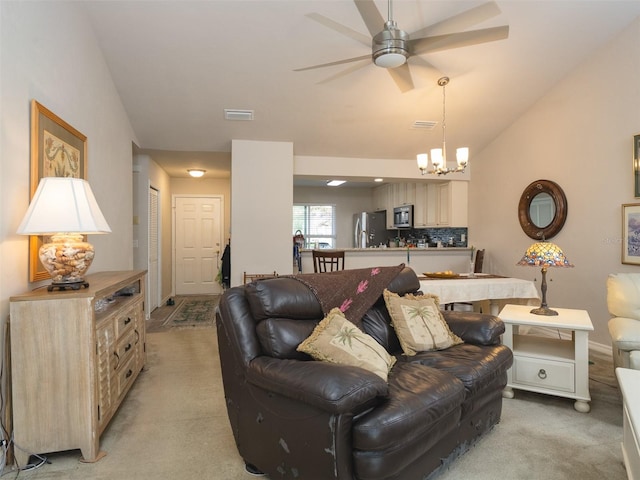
x: 486, y: 292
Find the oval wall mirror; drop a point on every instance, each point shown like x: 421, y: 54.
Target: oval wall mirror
x: 542, y: 210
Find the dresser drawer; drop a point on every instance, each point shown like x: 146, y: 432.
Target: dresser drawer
x: 127, y: 345
x: 126, y: 375
x: 544, y: 373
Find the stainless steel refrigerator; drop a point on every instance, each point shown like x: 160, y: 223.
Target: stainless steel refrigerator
x: 369, y: 229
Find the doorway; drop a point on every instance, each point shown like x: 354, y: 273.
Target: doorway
x: 154, y: 250
x: 197, y: 233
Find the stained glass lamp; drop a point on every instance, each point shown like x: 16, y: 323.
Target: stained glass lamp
x: 544, y: 254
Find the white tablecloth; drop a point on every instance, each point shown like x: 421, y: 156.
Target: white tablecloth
x: 481, y: 288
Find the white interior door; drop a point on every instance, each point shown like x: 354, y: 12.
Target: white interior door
x: 198, y: 240
x: 153, y: 268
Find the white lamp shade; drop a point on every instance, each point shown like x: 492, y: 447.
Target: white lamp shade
x: 436, y: 157
x: 462, y: 156
x: 423, y: 161
x: 63, y: 205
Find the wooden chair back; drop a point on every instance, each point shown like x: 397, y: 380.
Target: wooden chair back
x: 327, y: 260
x: 252, y: 277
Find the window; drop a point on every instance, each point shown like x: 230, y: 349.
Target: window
x: 317, y: 224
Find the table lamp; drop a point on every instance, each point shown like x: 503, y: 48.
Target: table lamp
x: 544, y: 254
x: 64, y: 209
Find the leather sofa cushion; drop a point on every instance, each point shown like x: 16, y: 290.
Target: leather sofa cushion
x: 418, y: 396
x: 475, y: 366
x: 282, y: 297
x: 377, y: 323
x: 280, y: 337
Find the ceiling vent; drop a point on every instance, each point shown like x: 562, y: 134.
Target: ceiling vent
x: 234, y: 114
x: 424, y: 124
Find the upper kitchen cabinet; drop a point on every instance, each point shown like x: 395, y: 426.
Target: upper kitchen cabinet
x: 441, y: 204
x: 404, y: 194
x: 383, y: 199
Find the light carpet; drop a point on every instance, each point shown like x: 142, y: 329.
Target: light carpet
x: 173, y: 425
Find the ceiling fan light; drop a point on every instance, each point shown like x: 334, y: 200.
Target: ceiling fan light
x: 390, y: 60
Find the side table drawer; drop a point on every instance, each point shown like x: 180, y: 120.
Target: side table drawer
x: 544, y: 373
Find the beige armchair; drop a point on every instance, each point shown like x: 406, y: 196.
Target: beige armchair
x: 623, y: 301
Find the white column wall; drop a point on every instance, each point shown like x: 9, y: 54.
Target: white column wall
x: 261, y: 208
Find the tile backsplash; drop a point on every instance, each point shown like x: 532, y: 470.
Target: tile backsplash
x: 448, y: 236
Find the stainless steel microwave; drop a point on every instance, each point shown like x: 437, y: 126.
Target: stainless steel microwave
x: 403, y: 216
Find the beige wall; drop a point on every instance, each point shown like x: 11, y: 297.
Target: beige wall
x: 580, y: 136
x: 67, y: 74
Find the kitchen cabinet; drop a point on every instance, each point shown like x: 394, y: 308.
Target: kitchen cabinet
x: 435, y: 204
x: 420, y: 207
x: 446, y: 204
x: 404, y: 194
x: 74, y: 356
x: 383, y: 198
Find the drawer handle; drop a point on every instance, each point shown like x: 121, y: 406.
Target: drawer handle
x: 117, y: 360
x: 127, y: 321
x: 129, y: 373
x: 128, y: 347
x: 542, y: 374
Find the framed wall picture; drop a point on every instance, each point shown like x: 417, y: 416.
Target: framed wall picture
x: 636, y: 165
x: 57, y: 150
x: 631, y: 233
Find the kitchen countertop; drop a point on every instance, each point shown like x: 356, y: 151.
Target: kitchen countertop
x: 396, y: 249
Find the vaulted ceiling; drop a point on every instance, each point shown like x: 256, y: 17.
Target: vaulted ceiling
x: 178, y: 64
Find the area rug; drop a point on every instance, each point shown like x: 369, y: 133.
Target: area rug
x: 186, y: 313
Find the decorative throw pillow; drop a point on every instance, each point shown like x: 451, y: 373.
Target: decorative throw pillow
x: 419, y: 323
x: 335, y: 339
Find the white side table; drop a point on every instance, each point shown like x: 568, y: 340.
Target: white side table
x: 629, y: 381
x: 547, y: 365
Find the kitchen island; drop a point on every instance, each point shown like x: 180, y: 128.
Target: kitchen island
x: 456, y: 259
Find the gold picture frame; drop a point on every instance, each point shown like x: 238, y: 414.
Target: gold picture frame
x: 636, y: 165
x: 631, y: 233
x: 57, y: 150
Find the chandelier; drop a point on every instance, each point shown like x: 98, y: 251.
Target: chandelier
x: 439, y: 155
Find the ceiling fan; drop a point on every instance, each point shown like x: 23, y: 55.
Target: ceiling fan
x: 393, y: 47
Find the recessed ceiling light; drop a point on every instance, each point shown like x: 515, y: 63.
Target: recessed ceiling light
x: 335, y: 183
x: 196, y: 172
x: 379, y: 180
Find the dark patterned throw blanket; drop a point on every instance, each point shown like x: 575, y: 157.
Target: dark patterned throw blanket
x: 352, y: 291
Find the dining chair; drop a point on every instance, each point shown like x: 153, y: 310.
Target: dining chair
x: 327, y: 260
x: 477, y: 268
x: 252, y: 277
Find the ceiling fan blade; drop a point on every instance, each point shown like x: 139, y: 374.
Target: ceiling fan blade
x: 337, y: 62
x: 457, y: 40
x: 461, y: 21
x: 371, y: 16
x: 402, y: 76
x: 416, y: 61
x: 344, y: 72
x: 338, y: 27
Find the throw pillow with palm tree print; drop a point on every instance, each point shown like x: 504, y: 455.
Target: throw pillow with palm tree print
x: 418, y: 323
x: 335, y: 339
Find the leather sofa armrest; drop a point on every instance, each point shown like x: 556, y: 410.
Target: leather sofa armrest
x: 625, y: 333
x: 330, y: 387
x: 475, y: 328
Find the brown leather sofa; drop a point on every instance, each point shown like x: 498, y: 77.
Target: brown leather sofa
x: 295, y: 418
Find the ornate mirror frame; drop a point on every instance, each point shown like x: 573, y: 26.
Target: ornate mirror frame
x: 559, y: 201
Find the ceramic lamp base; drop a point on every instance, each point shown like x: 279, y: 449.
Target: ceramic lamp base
x: 66, y: 258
